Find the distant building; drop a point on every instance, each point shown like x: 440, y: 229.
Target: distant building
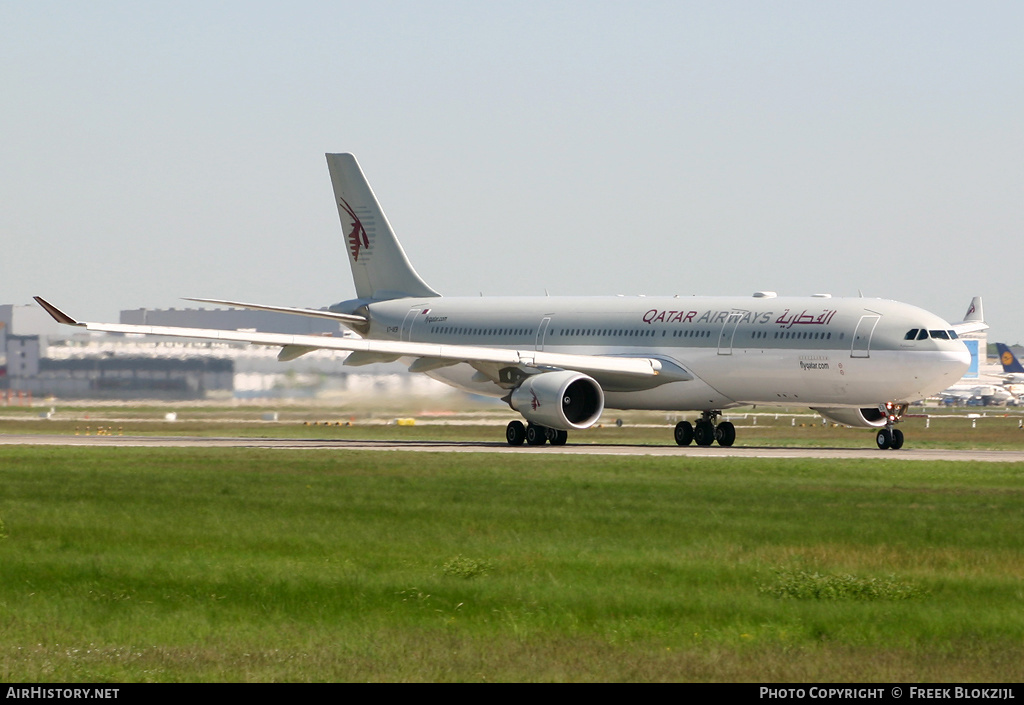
x: 26, y: 320
x: 22, y: 355
x: 119, y: 377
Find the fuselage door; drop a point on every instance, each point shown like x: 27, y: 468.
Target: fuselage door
x: 409, y: 322
x: 862, y: 336
x: 542, y: 331
x: 728, y: 333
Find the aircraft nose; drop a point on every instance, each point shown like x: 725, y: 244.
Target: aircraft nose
x: 958, y: 361
x: 964, y: 354
x: 942, y: 370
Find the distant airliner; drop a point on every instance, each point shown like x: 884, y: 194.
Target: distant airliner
x: 560, y: 361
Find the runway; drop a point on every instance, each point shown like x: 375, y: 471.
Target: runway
x: 867, y: 453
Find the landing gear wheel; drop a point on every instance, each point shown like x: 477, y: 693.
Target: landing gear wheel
x: 684, y: 433
x: 884, y: 439
x: 897, y: 439
x: 535, y: 435
x: 704, y: 433
x: 515, y: 433
x: 725, y: 433
x: 557, y: 438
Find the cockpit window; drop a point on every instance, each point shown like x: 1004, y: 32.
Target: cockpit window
x: 924, y: 334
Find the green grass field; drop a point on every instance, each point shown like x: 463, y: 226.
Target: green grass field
x: 130, y: 565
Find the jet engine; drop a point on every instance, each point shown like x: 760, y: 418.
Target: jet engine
x: 563, y: 400
x: 869, y: 417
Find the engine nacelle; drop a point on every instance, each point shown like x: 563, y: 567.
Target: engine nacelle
x: 868, y: 417
x: 564, y: 400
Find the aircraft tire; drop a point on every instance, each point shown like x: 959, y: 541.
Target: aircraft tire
x: 558, y: 438
x: 515, y: 433
x: 684, y: 433
x: 725, y: 433
x: 704, y: 433
x: 897, y: 439
x: 536, y: 435
x: 884, y: 439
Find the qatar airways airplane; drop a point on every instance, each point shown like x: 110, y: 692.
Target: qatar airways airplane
x: 560, y: 361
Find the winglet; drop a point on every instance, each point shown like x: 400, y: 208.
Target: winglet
x: 57, y: 314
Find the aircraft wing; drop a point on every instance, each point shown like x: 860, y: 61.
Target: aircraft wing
x: 618, y: 373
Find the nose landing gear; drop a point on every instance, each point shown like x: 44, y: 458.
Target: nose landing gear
x: 890, y: 438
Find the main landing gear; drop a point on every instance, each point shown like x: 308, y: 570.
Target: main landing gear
x: 533, y: 434
x: 705, y: 431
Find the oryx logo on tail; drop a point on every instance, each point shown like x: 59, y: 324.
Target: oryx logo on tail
x: 357, y: 239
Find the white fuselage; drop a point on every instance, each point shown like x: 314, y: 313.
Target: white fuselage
x: 807, y: 351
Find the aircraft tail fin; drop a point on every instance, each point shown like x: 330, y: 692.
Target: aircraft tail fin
x: 974, y: 319
x: 1008, y: 359
x: 974, y: 312
x: 380, y: 267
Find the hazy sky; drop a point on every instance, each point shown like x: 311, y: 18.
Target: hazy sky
x: 155, y: 150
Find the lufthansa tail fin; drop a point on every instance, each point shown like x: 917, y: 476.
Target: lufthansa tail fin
x: 1008, y: 360
x: 380, y: 267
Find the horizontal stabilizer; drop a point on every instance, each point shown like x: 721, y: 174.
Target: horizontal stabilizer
x: 348, y: 318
